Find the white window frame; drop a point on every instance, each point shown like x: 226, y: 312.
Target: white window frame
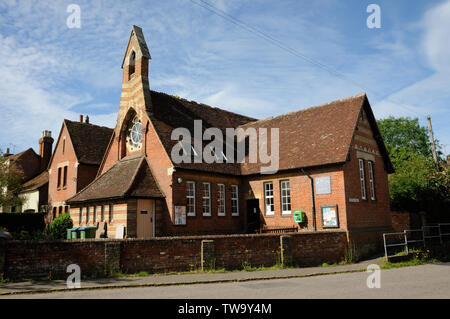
x: 362, y: 179
x: 371, y: 180
x: 234, y: 200
x: 268, y: 197
x: 287, y: 197
x: 208, y: 198
x: 221, y: 195
x: 190, y: 197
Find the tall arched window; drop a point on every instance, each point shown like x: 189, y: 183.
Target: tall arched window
x: 132, y: 63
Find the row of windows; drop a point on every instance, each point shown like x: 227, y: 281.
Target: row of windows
x: 363, y: 179
x: 64, y: 177
x: 206, y: 199
x: 285, y: 196
x: 59, y: 210
x: 95, y: 214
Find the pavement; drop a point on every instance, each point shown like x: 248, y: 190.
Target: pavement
x: 158, y: 280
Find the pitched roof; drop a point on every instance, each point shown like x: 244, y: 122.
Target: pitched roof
x: 129, y: 177
x: 89, y: 141
x: 36, y: 182
x: 314, y: 136
x: 170, y: 112
x: 25, y: 164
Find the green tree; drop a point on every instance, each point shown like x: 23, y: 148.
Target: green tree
x: 10, y: 184
x: 417, y: 184
x: 405, y: 133
x: 58, y: 228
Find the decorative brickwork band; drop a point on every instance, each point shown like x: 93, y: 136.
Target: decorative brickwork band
x: 208, y: 255
x: 286, y: 250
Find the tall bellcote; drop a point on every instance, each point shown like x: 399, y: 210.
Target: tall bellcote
x: 137, y: 56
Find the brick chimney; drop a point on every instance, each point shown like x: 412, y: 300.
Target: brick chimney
x: 81, y: 118
x: 87, y: 119
x: 45, y: 148
x: 7, y: 153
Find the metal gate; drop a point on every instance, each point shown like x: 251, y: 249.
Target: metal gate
x: 416, y: 237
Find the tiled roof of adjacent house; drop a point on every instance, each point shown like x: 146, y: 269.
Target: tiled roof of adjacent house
x: 89, y: 141
x: 36, y: 182
x: 25, y: 164
x: 129, y: 177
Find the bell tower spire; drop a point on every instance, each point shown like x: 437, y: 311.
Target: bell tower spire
x: 137, y: 56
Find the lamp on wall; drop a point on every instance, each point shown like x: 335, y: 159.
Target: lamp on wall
x: 179, y: 180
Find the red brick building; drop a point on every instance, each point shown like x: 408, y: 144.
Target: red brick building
x: 75, y: 161
x: 141, y: 192
x: 31, y: 168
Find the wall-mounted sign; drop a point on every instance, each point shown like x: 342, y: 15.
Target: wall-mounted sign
x: 180, y: 215
x: 323, y: 185
x: 353, y: 200
x: 120, y: 231
x: 330, y: 216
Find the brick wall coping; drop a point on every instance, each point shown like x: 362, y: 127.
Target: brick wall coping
x: 174, y: 238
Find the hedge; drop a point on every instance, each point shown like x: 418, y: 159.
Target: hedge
x: 30, y: 222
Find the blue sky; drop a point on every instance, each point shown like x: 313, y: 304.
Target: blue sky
x: 49, y: 72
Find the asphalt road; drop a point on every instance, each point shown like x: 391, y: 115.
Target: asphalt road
x: 426, y: 281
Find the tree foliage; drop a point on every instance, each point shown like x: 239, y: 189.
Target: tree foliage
x: 10, y: 184
x: 58, y: 228
x: 418, y: 185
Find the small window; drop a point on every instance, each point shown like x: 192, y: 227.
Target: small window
x: 95, y: 214
x: 190, y: 198
x: 64, y: 145
x: 59, y: 177
x: 371, y: 180
x: 132, y: 63
x: 221, y: 200
x: 285, y: 197
x: 65, y: 177
x: 54, y: 212
x: 81, y: 214
x: 234, y: 200
x: 268, y: 196
x: 60, y: 210
x: 87, y: 215
x: 362, y: 179
x: 206, y: 199
x: 111, y: 213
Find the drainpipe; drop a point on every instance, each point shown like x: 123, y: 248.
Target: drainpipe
x: 312, y: 197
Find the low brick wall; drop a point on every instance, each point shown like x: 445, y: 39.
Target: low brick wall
x: 31, y: 259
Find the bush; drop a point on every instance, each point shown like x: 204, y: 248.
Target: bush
x: 58, y: 228
x: 34, y: 235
